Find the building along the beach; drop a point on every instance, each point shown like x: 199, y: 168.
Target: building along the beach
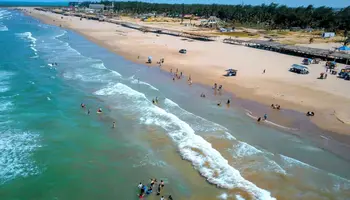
x: 96, y: 6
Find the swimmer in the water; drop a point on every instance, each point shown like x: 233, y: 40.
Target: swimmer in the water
x: 259, y: 119
x: 156, y: 100
x: 228, y: 102
x: 113, y: 126
x: 82, y: 105
x: 99, y: 110
x: 153, y: 101
x: 219, y: 104
x: 88, y: 111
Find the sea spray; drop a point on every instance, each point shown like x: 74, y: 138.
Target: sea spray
x: 208, y: 161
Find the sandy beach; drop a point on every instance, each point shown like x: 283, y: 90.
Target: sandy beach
x: 206, y: 62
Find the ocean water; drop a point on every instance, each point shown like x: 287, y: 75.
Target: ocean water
x: 51, y: 148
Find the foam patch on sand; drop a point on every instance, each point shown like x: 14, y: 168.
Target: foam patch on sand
x: 204, y: 158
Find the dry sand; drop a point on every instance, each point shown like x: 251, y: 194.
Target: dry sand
x: 206, y: 63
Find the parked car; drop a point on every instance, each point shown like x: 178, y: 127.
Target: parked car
x: 299, y: 69
x: 183, y: 51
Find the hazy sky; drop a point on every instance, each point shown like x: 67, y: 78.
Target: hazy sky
x: 331, y: 3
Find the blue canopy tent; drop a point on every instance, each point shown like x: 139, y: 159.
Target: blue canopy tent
x: 344, y: 48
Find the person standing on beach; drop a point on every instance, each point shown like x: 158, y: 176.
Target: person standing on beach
x: 158, y: 190
x: 153, y: 181
x: 162, y: 198
x: 265, y: 117
x: 264, y: 71
x: 170, y: 197
x: 140, y: 185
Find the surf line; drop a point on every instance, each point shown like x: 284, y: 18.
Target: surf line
x: 250, y: 114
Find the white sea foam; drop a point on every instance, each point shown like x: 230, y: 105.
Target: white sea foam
x: 291, y: 163
x: 243, y: 149
x: 99, y: 65
x: 61, y: 34
x: 136, y: 81
x: 4, y: 76
x: 3, y: 28
x: 239, y: 197
x: 223, y: 196
x: 34, y: 49
x: 27, y: 35
x: 16, y: 147
x: 5, y: 105
x: 4, y: 88
x: 197, y: 123
x: 207, y: 160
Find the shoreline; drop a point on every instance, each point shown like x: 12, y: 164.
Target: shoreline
x: 324, y: 119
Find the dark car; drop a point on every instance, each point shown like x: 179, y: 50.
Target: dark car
x: 183, y: 51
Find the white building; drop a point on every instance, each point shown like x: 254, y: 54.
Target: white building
x: 97, y: 6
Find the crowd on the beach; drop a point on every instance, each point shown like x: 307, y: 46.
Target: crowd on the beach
x: 148, y: 190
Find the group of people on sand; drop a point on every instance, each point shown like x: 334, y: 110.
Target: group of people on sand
x: 161, y: 61
x: 275, y: 106
x: 147, y: 190
x: 215, y: 87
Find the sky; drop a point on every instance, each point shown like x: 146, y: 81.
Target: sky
x: 293, y: 3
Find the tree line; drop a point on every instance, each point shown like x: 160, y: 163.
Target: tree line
x: 272, y: 16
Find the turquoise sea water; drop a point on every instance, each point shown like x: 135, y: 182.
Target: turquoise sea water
x: 50, y: 148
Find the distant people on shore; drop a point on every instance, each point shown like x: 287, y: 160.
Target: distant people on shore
x: 310, y: 114
x: 265, y: 116
x: 215, y: 86
x: 275, y: 106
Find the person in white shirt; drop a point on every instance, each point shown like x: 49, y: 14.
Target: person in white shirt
x: 140, y: 185
x: 162, y: 198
